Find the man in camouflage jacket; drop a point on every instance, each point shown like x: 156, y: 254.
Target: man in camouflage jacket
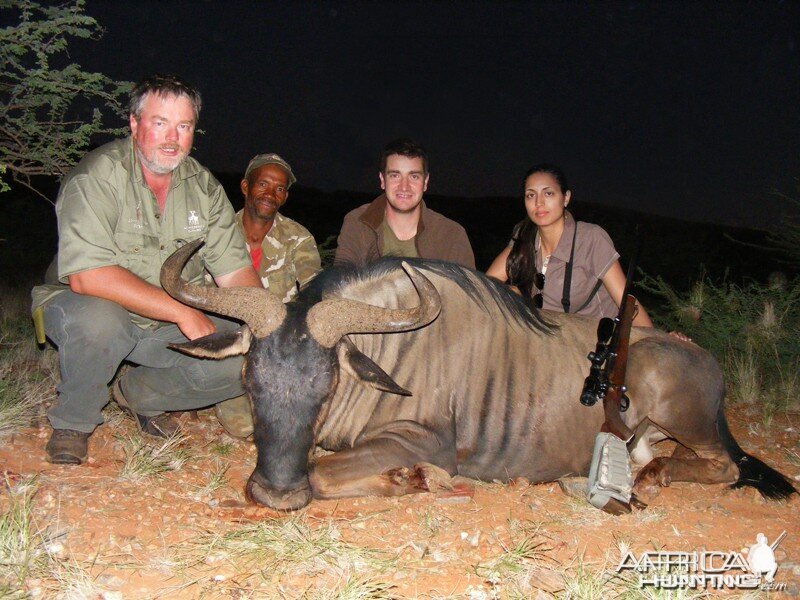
x: 283, y: 253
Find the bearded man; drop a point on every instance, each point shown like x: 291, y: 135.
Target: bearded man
x: 121, y: 212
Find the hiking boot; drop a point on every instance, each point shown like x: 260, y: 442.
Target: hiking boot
x: 67, y: 447
x: 235, y: 416
x: 164, y: 425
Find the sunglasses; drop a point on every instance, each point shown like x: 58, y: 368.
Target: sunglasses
x: 538, y: 281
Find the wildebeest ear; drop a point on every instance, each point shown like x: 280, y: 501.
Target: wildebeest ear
x: 218, y: 345
x: 364, y: 369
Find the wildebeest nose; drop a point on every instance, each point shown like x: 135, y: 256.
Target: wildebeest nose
x: 278, y: 499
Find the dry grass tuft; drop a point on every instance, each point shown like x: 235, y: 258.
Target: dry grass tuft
x: 524, y: 566
x: 28, y: 375
x: 31, y: 555
x: 286, y: 553
x: 145, y: 459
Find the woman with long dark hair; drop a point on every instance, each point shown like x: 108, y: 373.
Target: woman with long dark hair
x: 561, y: 263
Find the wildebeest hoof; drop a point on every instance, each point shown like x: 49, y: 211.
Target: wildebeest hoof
x: 400, y: 476
x: 650, y: 480
x: 655, y: 473
x: 637, y: 503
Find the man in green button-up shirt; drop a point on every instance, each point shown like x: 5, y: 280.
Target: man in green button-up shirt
x: 121, y: 212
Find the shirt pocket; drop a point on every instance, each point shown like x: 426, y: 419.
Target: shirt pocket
x: 135, y: 248
x: 583, y: 282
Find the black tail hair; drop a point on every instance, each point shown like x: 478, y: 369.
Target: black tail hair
x: 752, y: 471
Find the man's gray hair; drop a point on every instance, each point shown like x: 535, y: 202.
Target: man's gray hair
x: 163, y: 85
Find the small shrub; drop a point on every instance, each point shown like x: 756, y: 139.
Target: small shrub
x: 753, y: 330
x: 744, y: 378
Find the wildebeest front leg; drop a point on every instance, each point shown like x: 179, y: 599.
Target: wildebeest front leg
x: 401, y: 458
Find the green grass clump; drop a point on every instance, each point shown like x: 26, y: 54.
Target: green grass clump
x: 354, y: 588
x: 752, y: 329
x: 222, y: 448
x: 217, y: 479
x: 517, y: 571
x: 25, y: 546
x: 27, y: 374
x: 146, y: 459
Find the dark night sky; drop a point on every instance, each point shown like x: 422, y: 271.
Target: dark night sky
x: 686, y: 109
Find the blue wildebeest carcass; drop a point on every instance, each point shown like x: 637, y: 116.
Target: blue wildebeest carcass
x: 416, y: 372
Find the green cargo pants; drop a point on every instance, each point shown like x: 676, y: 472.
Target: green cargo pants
x: 94, y: 336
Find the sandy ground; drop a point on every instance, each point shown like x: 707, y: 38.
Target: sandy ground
x: 174, y: 536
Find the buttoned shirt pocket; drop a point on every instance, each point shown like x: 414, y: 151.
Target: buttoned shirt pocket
x: 136, y: 249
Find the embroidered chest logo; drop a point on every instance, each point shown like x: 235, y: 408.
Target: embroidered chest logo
x: 193, y: 222
x: 136, y: 222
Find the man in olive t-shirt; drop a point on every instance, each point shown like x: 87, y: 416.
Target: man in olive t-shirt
x: 398, y: 222
x: 121, y: 212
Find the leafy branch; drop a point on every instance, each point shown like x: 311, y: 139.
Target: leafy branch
x: 50, y: 108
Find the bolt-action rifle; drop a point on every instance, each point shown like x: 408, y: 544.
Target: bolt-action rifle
x: 606, y: 379
x: 610, y: 482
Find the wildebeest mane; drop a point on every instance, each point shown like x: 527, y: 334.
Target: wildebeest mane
x: 479, y: 289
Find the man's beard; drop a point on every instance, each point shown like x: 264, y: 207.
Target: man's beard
x: 158, y: 166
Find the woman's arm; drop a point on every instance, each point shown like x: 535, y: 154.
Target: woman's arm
x: 614, y: 280
x: 498, y: 267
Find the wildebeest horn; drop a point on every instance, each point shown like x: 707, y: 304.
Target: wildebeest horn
x: 330, y: 319
x: 262, y: 311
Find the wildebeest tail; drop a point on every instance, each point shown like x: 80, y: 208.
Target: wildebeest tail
x: 752, y: 471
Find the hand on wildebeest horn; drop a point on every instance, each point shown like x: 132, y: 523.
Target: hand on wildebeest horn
x: 332, y: 318
x: 262, y: 311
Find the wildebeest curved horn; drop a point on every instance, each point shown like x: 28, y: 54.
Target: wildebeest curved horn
x: 262, y: 311
x: 330, y: 319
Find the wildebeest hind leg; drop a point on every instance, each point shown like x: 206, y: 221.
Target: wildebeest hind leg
x: 402, y: 459
x: 711, y: 465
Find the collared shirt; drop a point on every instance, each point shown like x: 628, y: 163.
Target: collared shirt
x: 289, y: 256
x: 594, y: 256
x: 107, y: 215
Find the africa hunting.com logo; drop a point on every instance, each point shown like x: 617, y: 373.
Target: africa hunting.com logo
x: 708, y: 569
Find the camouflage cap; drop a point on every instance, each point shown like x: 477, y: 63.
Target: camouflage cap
x: 269, y: 159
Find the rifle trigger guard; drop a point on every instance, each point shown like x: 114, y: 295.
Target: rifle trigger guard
x: 624, y: 403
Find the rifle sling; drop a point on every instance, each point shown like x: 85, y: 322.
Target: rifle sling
x: 568, y: 273
x: 565, y: 296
